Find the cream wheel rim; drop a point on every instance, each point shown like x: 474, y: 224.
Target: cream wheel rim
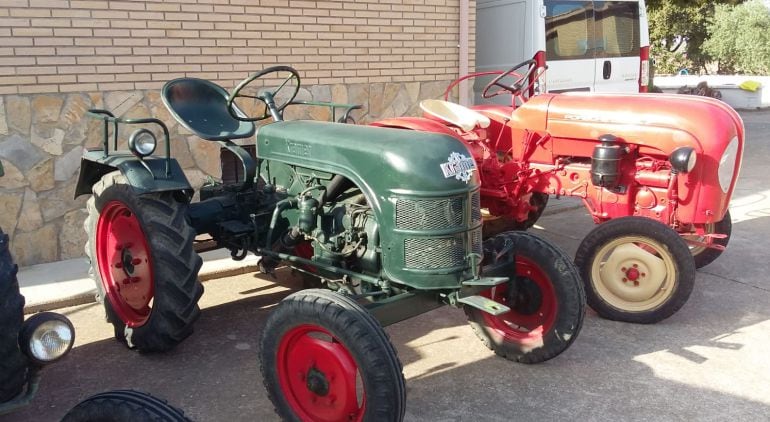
x: 634, y: 273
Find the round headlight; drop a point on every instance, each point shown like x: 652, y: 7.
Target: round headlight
x: 727, y: 164
x: 46, y: 337
x: 683, y: 159
x: 142, y: 142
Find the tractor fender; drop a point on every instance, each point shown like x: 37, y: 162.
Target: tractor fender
x: 421, y: 124
x: 148, y: 177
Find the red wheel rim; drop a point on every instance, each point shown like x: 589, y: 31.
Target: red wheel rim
x: 318, y: 375
x: 125, y: 264
x: 529, y: 326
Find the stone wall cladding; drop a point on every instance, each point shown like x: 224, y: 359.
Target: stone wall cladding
x: 60, y: 57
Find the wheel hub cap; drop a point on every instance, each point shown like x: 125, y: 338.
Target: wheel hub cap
x: 317, y: 382
x: 633, y: 273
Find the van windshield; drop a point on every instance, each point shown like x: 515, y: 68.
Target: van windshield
x: 585, y: 30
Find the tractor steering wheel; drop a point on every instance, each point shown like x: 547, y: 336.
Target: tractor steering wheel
x: 265, y: 95
x: 517, y: 89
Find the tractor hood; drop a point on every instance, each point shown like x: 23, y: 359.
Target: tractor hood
x: 400, y: 161
x: 657, y: 121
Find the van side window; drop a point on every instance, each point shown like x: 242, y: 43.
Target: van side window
x: 617, y: 28
x: 568, y: 30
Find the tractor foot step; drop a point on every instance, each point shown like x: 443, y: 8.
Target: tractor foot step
x: 485, y: 281
x: 487, y: 305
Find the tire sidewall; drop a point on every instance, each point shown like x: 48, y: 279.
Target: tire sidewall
x: 283, y: 319
x: 170, y: 319
x: 644, y: 228
x: 14, y: 363
x: 563, y: 278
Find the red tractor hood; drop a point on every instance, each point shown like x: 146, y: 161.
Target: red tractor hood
x: 656, y: 121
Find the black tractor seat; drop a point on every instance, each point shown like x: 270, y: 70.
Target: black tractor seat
x: 201, y: 106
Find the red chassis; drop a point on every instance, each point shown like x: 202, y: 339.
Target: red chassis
x: 657, y: 170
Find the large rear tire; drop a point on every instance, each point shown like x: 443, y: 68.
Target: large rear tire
x: 704, y: 255
x: 124, y: 406
x: 325, y: 358
x: 545, y: 295
x: 143, y: 264
x: 13, y: 363
x: 635, y: 269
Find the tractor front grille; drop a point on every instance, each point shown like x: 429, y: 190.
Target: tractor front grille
x: 476, y: 207
x: 442, y: 252
x: 429, y: 214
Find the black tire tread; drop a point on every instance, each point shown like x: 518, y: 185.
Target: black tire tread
x: 643, y: 227
x: 566, y: 280
x: 13, y: 363
x: 175, y: 264
x: 124, y: 406
x: 349, y: 322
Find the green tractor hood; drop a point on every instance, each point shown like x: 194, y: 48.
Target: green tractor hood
x: 381, y: 161
x: 423, y: 189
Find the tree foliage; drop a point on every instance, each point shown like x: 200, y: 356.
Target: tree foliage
x: 739, y: 38
x: 678, y: 29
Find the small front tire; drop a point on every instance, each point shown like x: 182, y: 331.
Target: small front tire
x: 545, y: 295
x: 124, y: 406
x: 325, y: 358
x: 635, y: 269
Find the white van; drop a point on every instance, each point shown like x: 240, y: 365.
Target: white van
x: 600, y: 46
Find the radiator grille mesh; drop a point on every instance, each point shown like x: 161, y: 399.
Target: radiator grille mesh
x: 476, y: 208
x: 445, y: 252
x: 434, y: 253
x: 429, y: 214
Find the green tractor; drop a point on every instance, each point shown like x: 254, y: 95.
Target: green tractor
x: 386, y: 221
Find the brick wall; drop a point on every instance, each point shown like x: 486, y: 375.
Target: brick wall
x: 58, y: 58
x: 97, y: 45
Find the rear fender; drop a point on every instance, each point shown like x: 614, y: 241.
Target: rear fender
x: 143, y: 179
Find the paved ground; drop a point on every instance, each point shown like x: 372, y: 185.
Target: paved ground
x: 707, y: 362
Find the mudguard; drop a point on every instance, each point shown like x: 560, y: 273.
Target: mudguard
x: 152, y: 178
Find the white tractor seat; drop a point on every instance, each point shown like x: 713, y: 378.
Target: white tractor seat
x: 460, y: 116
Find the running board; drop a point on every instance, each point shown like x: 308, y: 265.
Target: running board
x: 485, y: 281
x: 484, y: 304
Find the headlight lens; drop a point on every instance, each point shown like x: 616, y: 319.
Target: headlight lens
x: 142, y: 142
x: 46, y: 337
x: 727, y: 164
x: 683, y: 159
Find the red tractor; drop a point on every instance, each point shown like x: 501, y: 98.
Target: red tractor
x: 657, y: 171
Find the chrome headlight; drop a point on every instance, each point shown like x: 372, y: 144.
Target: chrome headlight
x: 727, y: 164
x: 142, y: 143
x: 46, y: 337
x: 683, y: 159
